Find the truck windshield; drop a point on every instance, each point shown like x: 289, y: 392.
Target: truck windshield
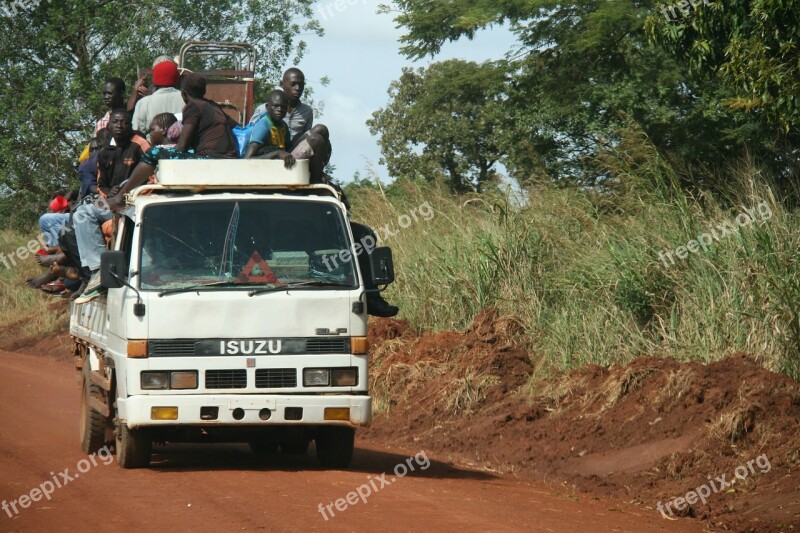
x: 249, y: 243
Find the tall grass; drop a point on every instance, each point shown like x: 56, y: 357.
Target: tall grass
x: 582, y: 271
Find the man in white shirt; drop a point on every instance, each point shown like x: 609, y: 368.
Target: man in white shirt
x: 166, y: 98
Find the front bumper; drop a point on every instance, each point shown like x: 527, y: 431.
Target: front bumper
x: 135, y: 411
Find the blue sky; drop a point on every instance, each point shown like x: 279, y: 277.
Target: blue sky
x: 360, y: 55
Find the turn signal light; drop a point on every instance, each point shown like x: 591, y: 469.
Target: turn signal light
x: 337, y: 413
x: 163, y: 413
x: 137, y: 349
x: 359, y: 345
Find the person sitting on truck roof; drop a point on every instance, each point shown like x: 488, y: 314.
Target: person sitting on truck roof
x: 270, y: 134
x: 299, y: 116
x: 140, y: 88
x: 51, y: 225
x: 87, y: 173
x: 164, y: 130
x: 206, y: 134
x: 113, y: 98
x: 114, y: 165
x: 271, y: 139
x: 166, y: 98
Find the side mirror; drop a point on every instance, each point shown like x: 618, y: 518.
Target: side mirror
x: 381, y: 265
x: 112, y: 262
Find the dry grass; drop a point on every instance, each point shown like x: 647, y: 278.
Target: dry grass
x: 679, y: 382
x: 740, y: 420
x: 735, y: 424
x: 615, y: 388
x: 400, y: 379
x: 462, y: 394
x: 556, y: 394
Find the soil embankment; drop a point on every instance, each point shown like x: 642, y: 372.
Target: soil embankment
x: 649, y: 432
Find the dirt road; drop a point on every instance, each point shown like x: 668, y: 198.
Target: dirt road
x: 226, y: 488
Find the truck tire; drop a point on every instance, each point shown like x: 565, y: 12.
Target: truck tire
x: 91, y: 425
x: 263, y: 448
x: 335, y: 446
x: 295, y: 448
x: 134, y: 447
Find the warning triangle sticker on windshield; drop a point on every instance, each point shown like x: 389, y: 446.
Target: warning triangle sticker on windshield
x: 258, y: 270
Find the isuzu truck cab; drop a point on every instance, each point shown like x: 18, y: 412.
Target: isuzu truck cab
x: 226, y: 318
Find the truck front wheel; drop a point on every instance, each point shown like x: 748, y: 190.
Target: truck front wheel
x: 335, y: 446
x: 92, y: 425
x: 134, y: 446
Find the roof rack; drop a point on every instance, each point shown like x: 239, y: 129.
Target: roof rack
x: 316, y: 189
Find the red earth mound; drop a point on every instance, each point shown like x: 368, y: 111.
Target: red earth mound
x: 650, y: 432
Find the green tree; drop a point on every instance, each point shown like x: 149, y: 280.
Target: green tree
x: 444, y: 121
x: 751, y: 46
x: 583, y: 71
x: 56, y: 54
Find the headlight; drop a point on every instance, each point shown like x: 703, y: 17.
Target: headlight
x: 184, y: 380
x: 316, y: 377
x: 344, y: 377
x: 155, y: 380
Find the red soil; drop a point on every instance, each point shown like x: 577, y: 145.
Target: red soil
x: 647, y: 432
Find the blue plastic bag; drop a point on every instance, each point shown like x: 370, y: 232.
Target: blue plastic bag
x: 241, y: 135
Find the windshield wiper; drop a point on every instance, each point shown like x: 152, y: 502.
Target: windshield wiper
x: 290, y: 286
x: 203, y: 286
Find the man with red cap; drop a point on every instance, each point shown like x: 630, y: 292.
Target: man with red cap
x: 166, y: 98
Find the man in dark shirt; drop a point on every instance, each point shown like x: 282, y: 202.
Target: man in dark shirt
x: 114, y: 165
x: 206, y: 127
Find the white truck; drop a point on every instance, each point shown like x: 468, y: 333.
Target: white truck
x: 235, y: 311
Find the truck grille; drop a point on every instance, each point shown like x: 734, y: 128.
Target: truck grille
x: 167, y: 348
x: 276, y: 378
x: 328, y: 345
x: 209, y: 347
x: 226, y: 379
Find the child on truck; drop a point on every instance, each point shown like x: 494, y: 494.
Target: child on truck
x: 271, y: 139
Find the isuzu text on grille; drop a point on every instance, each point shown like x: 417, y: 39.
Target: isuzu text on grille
x: 250, y: 347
